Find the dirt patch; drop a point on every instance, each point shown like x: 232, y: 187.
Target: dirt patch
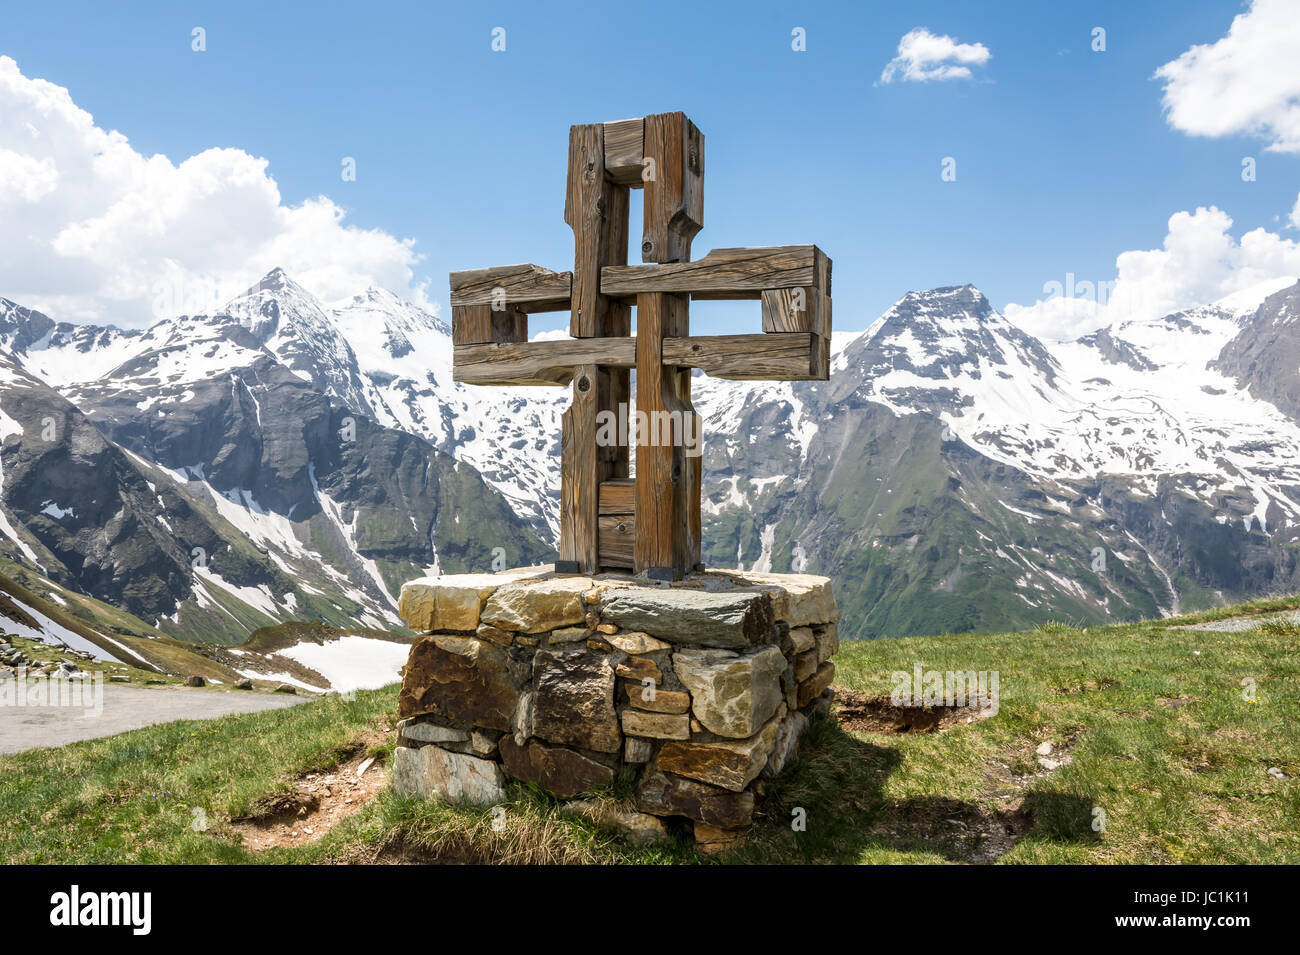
x: 859, y: 713
x: 318, y: 802
x: 1174, y: 702
x: 971, y: 833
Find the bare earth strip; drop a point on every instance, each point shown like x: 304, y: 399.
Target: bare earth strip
x: 125, y: 708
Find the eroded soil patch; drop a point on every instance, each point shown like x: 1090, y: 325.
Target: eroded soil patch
x: 318, y: 801
x: 859, y: 713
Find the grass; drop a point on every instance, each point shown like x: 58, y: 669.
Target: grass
x: 1154, y: 721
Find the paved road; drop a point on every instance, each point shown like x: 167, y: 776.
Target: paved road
x: 125, y: 708
x: 1241, y: 624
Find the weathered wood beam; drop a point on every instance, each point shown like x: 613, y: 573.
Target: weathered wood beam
x: 529, y: 288
x: 725, y: 273
x: 624, y: 151
x: 579, y: 478
x: 665, y: 477
x: 617, y: 540
x: 618, y: 496
x: 674, y: 188
x: 479, y: 324
x: 538, y: 363
x: 597, y: 211
x: 787, y: 356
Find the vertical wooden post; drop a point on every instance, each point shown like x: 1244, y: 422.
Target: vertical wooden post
x: 665, y: 476
x: 667, y: 480
x: 597, y: 211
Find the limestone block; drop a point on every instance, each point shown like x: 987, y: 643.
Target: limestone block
x: 732, y: 694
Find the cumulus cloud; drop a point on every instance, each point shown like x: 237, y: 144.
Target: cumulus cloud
x: 924, y: 56
x: 1244, y: 82
x: 97, y: 231
x: 1199, y: 262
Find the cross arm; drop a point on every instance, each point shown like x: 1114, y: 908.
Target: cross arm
x: 725, y: 273
x: 538, y: 363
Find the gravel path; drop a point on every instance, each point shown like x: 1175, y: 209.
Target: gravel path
x: 124, y: 708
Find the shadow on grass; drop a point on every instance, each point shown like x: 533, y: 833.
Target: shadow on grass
x: 837, y: 787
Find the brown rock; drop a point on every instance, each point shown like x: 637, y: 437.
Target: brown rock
x: 569, y: 635
x: 802, y: 638
x: 195, y: 680
x: 574, y: 699
x: 634, y: 642
x: 656, y: 725
x: 732, y: 765
x: 461, y: 678
x: 732, y: 694
x: 637, y: 750
x: 812, y: 688
x: 638, y: 669
x: 607, y: 628
x: 537, y: 605
x: 805, y: 665
x: 502, y: 638
x: 656, y: 700
x: 664, y: 795
x: 710, y: 840
x: 561, y: 772
x: 828, y: 642
x: 453, y: 601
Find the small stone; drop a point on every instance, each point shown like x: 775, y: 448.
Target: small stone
x: 607, y: 628
x: 635, y: 642
x: 1276, y: 773
x: 787, y: 743
x: 574, y: 700
x: 655, y: 700
x: 732, y: 694
x: 433, y: 771
x: 638, y: 827
x: 638, y: 669
x: 569, y: 635
x: 524, y: 641
x: 805, y: 665
x: 119, y: 678
x: 819, y: 681
x: 244, y: 684
x: 483, y: 743
x: 561, y: 772
x: 656, y: 725
x: 731, y: 765
x: 286, y: 688
x: 710, y: 839
x: 537, y: 605
x: 592, y: 619
x: 802, y: 638
x: 663, y: 795
x: 430, y: 732
x: 1048, y: 764
x: 195, y: 680
x: 600, y: 646
x: 502, y: 638
x: 1044, y: 748
x: 828, y: 642
x: 637, y: 750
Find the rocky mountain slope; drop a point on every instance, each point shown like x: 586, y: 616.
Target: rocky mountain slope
x: 954, y: 474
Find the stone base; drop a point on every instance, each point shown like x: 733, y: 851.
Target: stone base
x: 700, y: 686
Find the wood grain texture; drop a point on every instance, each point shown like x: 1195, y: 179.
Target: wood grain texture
x: 624, y: 150
x: 781, y: 356
x: 674, y: 193
x: 580, y: 475
x: 618, y: 496
x: 530, y: 288
x: 617, y: 537
x: 722, y: 274
x: 664, y: 476
x: 479, y: 324
x: 538, y: 363
x: 597, y: 211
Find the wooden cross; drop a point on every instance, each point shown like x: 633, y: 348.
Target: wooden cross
x: 649, y: 524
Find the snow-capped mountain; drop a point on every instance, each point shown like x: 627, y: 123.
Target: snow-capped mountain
x: 954, y: 474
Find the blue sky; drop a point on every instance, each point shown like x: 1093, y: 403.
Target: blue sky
x: 1063, y: 155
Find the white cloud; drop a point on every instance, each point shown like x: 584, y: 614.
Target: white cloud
x: 1199, y: 262
x: 924, y: 56
x: 1245, y: 82
x: 96, y: 231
